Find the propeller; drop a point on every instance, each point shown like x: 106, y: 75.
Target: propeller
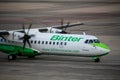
x: 67, y: 25
x: 26, y: 36
x: 62, y: 23
x: 62, y: 27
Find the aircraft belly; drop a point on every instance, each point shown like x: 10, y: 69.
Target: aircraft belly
x: 58, y: 51
x: 71, y: 50
x: 67, y: 52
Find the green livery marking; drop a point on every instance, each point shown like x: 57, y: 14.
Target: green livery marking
x: 17, y: 50
x: 65, y: 38
x: 60, y: 50
x: 101, y: 45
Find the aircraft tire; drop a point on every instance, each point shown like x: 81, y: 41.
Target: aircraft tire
x: 97, y: 60
x: 11, y: 57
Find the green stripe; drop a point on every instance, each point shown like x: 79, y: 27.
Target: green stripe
x: 101, y: 45
x: 17, y: 50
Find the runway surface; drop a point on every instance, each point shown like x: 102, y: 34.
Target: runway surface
x: 101, y: 18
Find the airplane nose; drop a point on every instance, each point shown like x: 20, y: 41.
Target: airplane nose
x: 106, y: 51
x: 105, y: 48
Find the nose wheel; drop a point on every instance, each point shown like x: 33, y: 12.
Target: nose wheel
x: 97, y: 59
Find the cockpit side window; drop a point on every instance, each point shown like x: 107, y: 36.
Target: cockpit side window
x: 96, y: 41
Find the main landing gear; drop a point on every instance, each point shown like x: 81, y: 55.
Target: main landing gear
x: 11, y: 57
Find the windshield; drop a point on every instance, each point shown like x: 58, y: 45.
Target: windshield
x: 88, y: 41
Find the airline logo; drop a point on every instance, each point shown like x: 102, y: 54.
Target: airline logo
x: 65, y: 38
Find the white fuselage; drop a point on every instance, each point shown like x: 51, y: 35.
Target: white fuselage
x: 58, y: 44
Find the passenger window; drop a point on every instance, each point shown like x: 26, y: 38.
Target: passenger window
x: 38, y: 42
x: 57, y: 43
x: 35, y: 42
x: 61, y: 43
x: 53, y: 43
x: 46, y: 42
x: 42, y: 42
x: 31, y: 41
x: 65, y: 43
x: 50, y: 42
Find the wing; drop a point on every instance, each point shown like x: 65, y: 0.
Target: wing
x: 68, y: 25
x: 4, y: 32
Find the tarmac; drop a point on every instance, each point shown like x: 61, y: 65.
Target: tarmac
x: 100, y: 17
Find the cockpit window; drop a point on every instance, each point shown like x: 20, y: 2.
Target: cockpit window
x: 89, y: 41
x: 86, y: 41
x: 96, y: 41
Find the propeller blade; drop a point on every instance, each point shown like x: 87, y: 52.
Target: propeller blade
x: 32, y: 35
x: 67, y: 25
x: 23, y: 27
x: 29, y: 43
x: 26, y: 40
x: 26, y: 36
x: 13, y: 35
x: 29, y: 28
x: 24, y: 43
x: 62, y: 22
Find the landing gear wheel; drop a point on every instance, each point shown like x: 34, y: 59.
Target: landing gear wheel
x: 97, y: 60
x: 11, y: 57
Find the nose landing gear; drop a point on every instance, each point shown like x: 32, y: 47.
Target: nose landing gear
x: 96, y: 59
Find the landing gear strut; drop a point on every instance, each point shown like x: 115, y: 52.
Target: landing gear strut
x: 11, y: 57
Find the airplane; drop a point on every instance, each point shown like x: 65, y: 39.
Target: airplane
x: 32, y: 42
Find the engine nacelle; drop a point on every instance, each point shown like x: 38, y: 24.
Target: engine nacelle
x: 54, y: 30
